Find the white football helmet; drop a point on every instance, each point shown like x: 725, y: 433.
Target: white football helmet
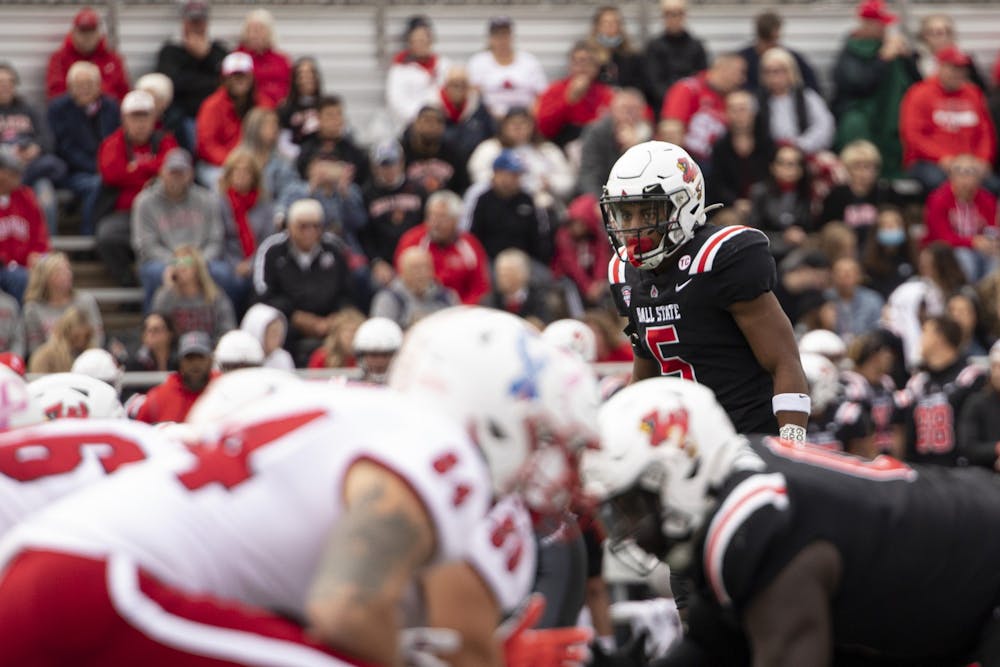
x: 822, y: 341
x: 666, y: 445
x: 75, y: 395
x: 238, y: 349
x: 530, y: 406
x: 98, y: 363
x: 823, y: 378
x: 235, y: 389
x: 654, y: 189
x: 378, y: 335
x: 573, y: 336
x: 16, y: 405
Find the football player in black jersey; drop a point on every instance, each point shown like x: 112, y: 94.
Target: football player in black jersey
x: 815, y: 557
x: 699, y: 297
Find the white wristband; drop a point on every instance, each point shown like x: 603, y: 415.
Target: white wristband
x: 791, y: 403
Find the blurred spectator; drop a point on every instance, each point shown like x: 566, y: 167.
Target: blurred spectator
x: 963, y: 214
x: 175, y: 212
x: 988, y: 291
x: 431, y: 159
x: 937, y: 33
x: 767, y: 35
x: 944, y: 117
x: 467, y: 122
x: 933, y: 398
x: 128, y: 159
x: 80, y: 121
x: 979, y: 421
x: 395, y: 204
x: 792, y: 112
x: 168, y: 118
x: 23, y: 234
x: 415, y: 293
x: 11, y: 329
x: 856, y: 203
x: 247, y: 214
x: 415, y: 73
x: 513, y: 290
x: 300, y: 113
x: 237, y: 349
x: 836, y: 240
x: 568, y: 105
x: 269, y: 326
x: 740, y: 158
x: 781, y: 204
x: 506, y: 77
x: 193, y: 65
x: 157, y: 350
x: 581, y: 250
x: 460, y: 263
x: 872, y: 357
x: 272, y: 69
x: 220, y: 118
x: 963, y: 307
x: 548, y: 175
x: 71, y: 335
x: 49, y: 294
x: 504, y: 216
x: 872, y: 73
x: 85, y: 41
x: 888, y: 256
x: 23, y: 133
x: 922, y: 296
x: 694, y: 109
x: 621, y: 65
x: 674, y: 55
x: 304, y: 274
x: 331, y: 183
x: 332, y: 140
x: 191, y: 299
x: 171, y: 400
x: 604, y: 140
x: 375, y: 344
x: 802, y: 278
x: 260, y: 137
x: 859, y: 308
x: 612, y: 346
x: 337, y: 350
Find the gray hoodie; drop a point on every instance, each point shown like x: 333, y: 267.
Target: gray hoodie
x: 160, y: 225
x: 255, y: 323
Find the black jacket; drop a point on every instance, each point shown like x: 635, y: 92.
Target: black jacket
x: 194, y: 79
x: 76, y: 135
x: 752, y: 59
x: 509, y: 223
x: 733, y: 175
x: 979, y: 428
x: 321, y: 289
x: 339, y: 149
x: 391, y: 212
x: 670, y: 58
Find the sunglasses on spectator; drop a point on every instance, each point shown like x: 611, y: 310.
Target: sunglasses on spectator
x: 187, y: 260
x: 673, y: 13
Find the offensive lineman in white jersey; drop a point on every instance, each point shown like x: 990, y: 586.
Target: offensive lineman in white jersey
x: 321, y: 504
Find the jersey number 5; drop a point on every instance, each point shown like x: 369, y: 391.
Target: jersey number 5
x: 656, y: 339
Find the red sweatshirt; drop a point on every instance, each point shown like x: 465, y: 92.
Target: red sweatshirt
x: 956, y: 222
x: 168, y: 402
x: 22, y: 227
x: 555, y: 112
x: 218, y: 127
x: 130, y: 175
x: 585, y: 260
x: 701, y: 108
x: 114, y: 78
x: 272, y: 75
x: 935, y: 123
x: 461, y: 266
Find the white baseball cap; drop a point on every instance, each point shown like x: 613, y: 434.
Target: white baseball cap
x: 237, y: 62
x: 138, y: 101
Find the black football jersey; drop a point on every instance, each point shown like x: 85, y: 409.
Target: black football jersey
x: 880, y: 399
x: 678, y: 316
x: 919, y: 546
x: 840, y: 424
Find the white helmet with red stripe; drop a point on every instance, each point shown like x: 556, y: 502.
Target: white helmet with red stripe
x: 666, y: 444
x: 653, y: 202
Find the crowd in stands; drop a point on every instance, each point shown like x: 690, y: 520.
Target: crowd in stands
x: 230, y: 186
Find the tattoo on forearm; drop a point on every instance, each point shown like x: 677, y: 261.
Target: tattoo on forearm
x: 375, y: 543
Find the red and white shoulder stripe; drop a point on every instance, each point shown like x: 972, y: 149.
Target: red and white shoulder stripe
x: 703, y: 260
x: 749, y: 496
x: 616, y: 268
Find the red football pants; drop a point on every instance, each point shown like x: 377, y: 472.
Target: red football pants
x: 62, y: 610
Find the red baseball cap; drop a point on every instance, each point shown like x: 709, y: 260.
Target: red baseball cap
x: 952, y: 55
x: 875, y: 10
x: 86, y: 19
x: 13, y: 362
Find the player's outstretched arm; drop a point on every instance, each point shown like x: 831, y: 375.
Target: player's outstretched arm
x: 373, y: 553
x: 769, y: 333
x: 456, y: 597
x: 789, y: 621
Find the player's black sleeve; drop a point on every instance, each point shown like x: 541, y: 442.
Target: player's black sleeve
x: 979, y: 429
x: 743, y: 269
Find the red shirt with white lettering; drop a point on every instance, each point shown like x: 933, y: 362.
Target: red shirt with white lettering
x: 956, y: 222
x: 701, y: 108
x: 935, y: 123
x: 22, y: 227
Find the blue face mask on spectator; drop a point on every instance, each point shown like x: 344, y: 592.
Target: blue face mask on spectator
x: 891, y: 237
